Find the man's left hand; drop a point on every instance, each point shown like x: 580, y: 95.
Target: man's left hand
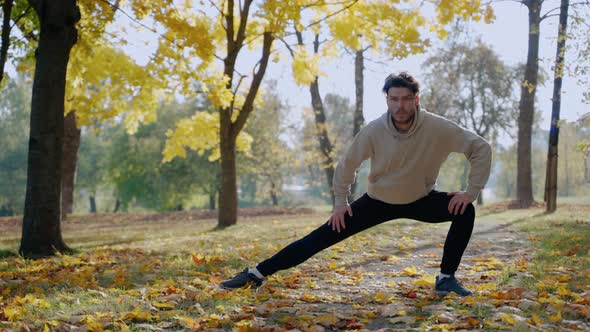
x: 459, y: 202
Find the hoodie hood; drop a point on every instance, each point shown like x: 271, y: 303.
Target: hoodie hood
x: 387, y: 121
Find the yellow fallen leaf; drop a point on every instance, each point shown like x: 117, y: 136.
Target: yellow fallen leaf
x: 138, y: 315
x: 508, y: 319
x: 486, y: 287
x: 190, y: 323
x: 92, y: 324
x: 161, y: 305
x: 123, y: 326
x: 562, y: 291
x: 556, y: 318
x: 535, y: 320
x: 198, y: 259
x: 46, y: 328
x: 332, y: 265
x: 426, y: 281
x: 410, y: 271
x: 14, y: 313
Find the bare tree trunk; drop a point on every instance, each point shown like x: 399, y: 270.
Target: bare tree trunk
x: 228, y: 195
x: 41, y: 222
x: 273, y: 194
x: 6, y: 10
x: 69, y: 161
x: 117, y: 206
x: 229, y: 130
x: 552, y: 157
x: 317, y: 105
x: 358, y: 118
x: 212, y: 201
x: 92, y: 202
x: 524, y: 187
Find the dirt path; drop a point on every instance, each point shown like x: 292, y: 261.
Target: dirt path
x: 373, y: 285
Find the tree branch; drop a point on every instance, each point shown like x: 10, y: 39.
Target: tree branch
x: 288, y: 46
x: 254, y: 86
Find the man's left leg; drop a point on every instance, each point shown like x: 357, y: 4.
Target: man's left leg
x: 434, y: 208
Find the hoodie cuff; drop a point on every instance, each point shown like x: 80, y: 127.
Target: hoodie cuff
x: 473, y: 192
x: 340, y: 201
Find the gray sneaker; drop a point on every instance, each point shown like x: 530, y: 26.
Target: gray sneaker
x: 449, y: 284
x: 242, y: 279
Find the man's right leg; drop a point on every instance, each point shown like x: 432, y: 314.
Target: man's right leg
x: 366, y: 213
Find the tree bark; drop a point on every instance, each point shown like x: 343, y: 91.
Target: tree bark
x: 92, y: 202
x: 69, y: 161
x: 273, y: 194
x: 117, y: 206
x: 524, y: 187
x: 41, y: 222
x: 229, y: 130
x: 320, y: 123
x: 552, y: 156
x: 6, y: 11
x: 358, y: 118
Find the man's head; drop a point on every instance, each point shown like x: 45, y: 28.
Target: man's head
x: 402, y: 93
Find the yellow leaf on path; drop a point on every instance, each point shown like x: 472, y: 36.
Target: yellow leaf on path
x: 198, y: 259
x: 138, y: 315
x: 161, y: 305
x: 556, y: 318
x: 509, y: 319
x: 46, y: 328
x: 426, y: 281
x: 190, y: 323
x: 410, y: 271
x: 123, y: 326
x: 333, y: 265
x: 486, y: 287
x: 92, y: 324
x: 535, y: 320
x: 14, y: 313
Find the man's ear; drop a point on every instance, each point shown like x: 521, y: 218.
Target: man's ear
x: 417, y: 100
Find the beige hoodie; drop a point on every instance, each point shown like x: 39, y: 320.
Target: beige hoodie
x: 405, y: 166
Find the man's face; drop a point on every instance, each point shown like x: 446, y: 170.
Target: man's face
x: 402, y: 104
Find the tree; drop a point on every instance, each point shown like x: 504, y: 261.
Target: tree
x: 233, y: 28
x: 270, y: 160
x: 14, y: 120
x: 41, y: 222
x: 468, y: 83
x: 551, y: 177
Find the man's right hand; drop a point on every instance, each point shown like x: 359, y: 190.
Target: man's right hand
x: 337, y: 218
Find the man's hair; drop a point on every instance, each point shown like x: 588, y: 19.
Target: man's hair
x: 401, y: 80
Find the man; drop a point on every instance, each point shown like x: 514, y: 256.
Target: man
x: 407, y: 147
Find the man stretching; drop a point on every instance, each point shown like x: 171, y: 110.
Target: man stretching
x: 407, y: 146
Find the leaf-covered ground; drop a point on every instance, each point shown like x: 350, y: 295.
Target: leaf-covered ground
x: 160, y: 272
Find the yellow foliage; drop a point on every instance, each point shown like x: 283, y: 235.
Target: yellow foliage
x: 305, y: 67
x: 201, y: 134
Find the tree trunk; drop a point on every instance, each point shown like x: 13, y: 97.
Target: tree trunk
x: 212, y: 201
x: 92, y: 202
x: 228, y: 194
x: 273, y: 194
x: 69, y: 161
x: 6, y: 10
x: 524, y: 187
x: 117, y: 206
x: 322, y: 134
x: 551, y: 175
x: 358, y: 118
x: 228, y: 129
x: 41, y: 222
